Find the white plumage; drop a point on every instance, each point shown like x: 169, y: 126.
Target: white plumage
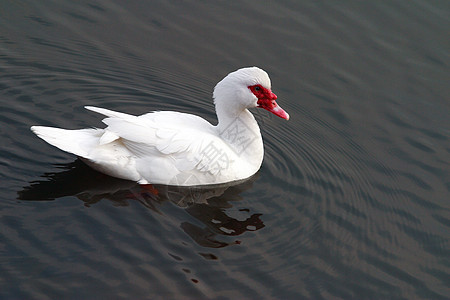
x: 175, y: 148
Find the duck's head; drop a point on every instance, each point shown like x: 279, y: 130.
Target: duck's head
x: 247, y: 88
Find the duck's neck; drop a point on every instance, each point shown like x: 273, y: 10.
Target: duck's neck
x: 239, y: 129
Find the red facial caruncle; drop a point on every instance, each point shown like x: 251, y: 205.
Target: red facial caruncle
x: 266, y: 100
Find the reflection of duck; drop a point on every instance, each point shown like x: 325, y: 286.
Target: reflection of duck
x: 168, y: 147
x: 205, y: 204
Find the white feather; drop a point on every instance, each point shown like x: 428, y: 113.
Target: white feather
x: 171, y: 147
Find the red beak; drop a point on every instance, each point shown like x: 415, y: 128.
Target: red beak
x: 269, y: 103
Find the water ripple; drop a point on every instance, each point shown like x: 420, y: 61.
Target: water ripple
x: 351, y: 200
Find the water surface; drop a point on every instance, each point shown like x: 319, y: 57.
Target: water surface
x: 351, y: 201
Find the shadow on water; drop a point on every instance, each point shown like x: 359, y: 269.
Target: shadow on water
x: 207, y: 204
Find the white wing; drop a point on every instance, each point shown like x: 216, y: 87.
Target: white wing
x: 167, y: 146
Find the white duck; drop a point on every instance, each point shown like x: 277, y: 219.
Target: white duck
x: 173, y: 148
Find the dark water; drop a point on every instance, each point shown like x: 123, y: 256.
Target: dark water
x: 352, y: 200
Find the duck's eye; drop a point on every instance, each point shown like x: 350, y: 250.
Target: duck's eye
x: 257, y: 88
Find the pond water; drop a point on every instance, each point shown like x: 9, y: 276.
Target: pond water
x: 351, y: 202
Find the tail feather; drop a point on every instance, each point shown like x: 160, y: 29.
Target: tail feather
x: 79, y: 142
x: 109, y: 113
